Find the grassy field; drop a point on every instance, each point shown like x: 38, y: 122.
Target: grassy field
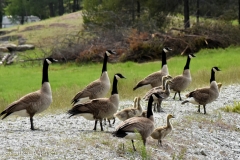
x: 67, y: 79
x: 45, y: 32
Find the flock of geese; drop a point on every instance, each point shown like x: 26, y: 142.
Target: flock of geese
x: 137, y: 123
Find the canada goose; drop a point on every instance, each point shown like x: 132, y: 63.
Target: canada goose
x: 155, y: 79
x: 203, y: 96
x: 219, y: 89
x: 97, y: 109
x: 34, y: 102
x: 181, y: 82
x: 157, y: 90
x: 137, y: 127
x: 130, y: 112
x: 161, y: 132
x: 98, y: 88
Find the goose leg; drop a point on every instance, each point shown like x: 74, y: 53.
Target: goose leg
x: 133, y: 146
x: 160, y: 142
x: 144, y: 142
x: 101, y: 124
x: 179, y: 96
x: 198, y: 108
x: 31, y: 121
x: 154, y: 106
x: 105, y: 121
x: 95, y: 126
x: 109, y: 123
x: 159, y: 108
x: 114, y: 120
x: 204, y: 107
x: 174, y: 95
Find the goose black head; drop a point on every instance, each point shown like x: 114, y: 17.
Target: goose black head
x: 215, y: 69
x: 119, y: 75
x: 166, y: 49
x: 50, y: 60
x: 109, y: 52
x: 191, y: 55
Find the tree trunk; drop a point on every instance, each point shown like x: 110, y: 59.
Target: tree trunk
x: 198, y: 13
x: 51, y: 9
x: 1, y: 13
x: 138, y: 9
x: 74, y: 5
x: 133, y: 13
x: 239, y: 12
x: 60, y: 7
x: 22, y: 19
x: 186, y: 14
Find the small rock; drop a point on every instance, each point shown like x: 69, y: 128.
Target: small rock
x: 203, y: 152
x: 236, y: 150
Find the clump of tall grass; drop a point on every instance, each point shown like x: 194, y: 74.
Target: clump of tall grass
x: 235, y: 108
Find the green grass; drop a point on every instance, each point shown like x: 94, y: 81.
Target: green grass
x: 67, y: 79
x: 234, y: 108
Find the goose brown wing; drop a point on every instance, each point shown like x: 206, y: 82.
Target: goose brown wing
x: 90, y: 107
x: 153, y: 79
x: 95, y: 86
x: 151, y: 91
x: 23, y: 103
x: 133, y: 124
x: 200, y: 95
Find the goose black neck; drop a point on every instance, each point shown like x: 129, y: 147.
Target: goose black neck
x: 164, y: 58
x: 149, y: 109
x: 187, y: 63
x: 104, y: 67
x: 212, y: 76
x: 114, y: 86
x: 45, y: 72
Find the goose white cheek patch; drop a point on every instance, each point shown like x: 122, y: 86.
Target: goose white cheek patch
x: 49, y: 62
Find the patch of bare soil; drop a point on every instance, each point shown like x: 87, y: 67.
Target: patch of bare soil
x: 59, y: 25
x: 30, y: 28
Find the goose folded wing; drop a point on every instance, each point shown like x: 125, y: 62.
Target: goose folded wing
x: 23, y: 103
x: 200, y: 94
x: 151, y: 91
x: 92, y: 106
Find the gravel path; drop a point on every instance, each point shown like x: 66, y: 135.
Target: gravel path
x: 215, y: 135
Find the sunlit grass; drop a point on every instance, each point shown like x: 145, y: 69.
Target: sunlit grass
x: 234, y: 108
